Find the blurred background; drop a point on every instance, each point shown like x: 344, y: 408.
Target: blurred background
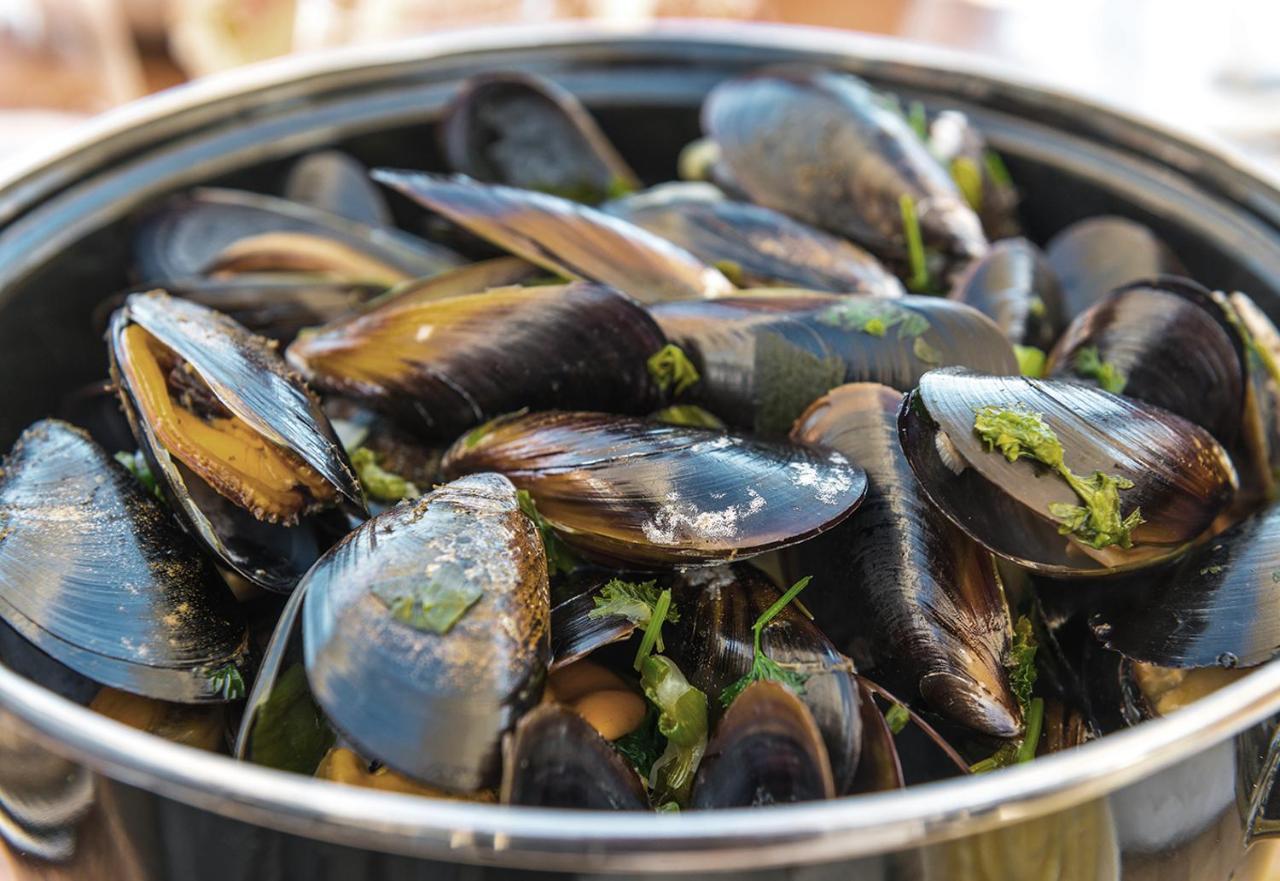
x: 1207, y: 66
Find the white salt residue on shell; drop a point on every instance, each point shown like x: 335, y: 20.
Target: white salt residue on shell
x: 827, y: 487
x: 679, y: 522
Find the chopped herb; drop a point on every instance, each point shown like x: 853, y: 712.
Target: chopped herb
x: 925, y: 352
x: 1036, y: 307
x: 671, y: 368
x: 633, y: 601
x: 682, y: 719
x: 1022, y: 662
x: 1212, y: 570
x: 968, y: 177
x: 897, y: 717
x: 875, y: 316
x: 1031, y: 361
x: 686, y: 414
x: 618, y: 187
x: 762, y: 666
x: 136, y: 464
x: 996, y: 169
x: 560, y: 559
x: 730, y: 269
x: 289, y: 731
x: 1088, y: 365
x: 668, y: 807
x: 919, y: 280
x: 379, y: 484
x: 1034, y: 720
x: 431, y: 603
x: 227, y: 681
x: 643, y: 746
x: 918, y: 119
x: 653, y: 628
x: 1019, y: 433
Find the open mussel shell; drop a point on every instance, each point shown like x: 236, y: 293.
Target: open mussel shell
x: 555, y: 759
x: 760, y: 246
x: 1095, y: 256
x: 575, y: 632
x: 821, y: 146
x: 1167, y: 343
x: 713, y: 644
x: 898, y: 584
x: 953, y: 139
x: 96, y: 573
x: 1259, y: 463
x: 564, y: 237
x: 1013, y: 285
x: 237, y: 390
x: 200, y: 231
x: 1181, y: 476
x: 526, y: 131
x: 445, y: 365
x: 338, y: 183
x: 764, y: 356
x: 766, y: 750
x: 428, y: 704
x: 879, y: 766
x: 646, y: 494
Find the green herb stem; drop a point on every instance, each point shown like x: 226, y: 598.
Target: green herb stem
x: 653, y: 630
x: 919, y: 280
x: 1034, y: 721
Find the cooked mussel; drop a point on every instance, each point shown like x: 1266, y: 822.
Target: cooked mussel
x: 1166, y: 342
x: 713, y: 644
x: 978, y: 171
x: 1097, y: 255
x: 425, y: 631
x: 765, y: 751
x: 526, y: 131
x: 581, y: 619
x: 94, y: 572
x: 763, y: 356
x: 239, y: 446
x: 555, y: 759
x: 564, y: 237
x: 1114, y: 484
x: 820, y: 146
x: 338, y: 183
x: 1013, y: 285
x: 628, y: 491
x: 758, y: 246
x: 210, y: 230
x: 445, y: 365
x: 898, y: 584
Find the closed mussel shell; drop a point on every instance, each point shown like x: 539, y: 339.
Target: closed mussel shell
x: 1013, y: 285
x: 95, y: 572
x: 425, y: 632
x: 338, y: 183
x: 1097, y: 255
x: 1181, y: 477
x: 444, y: 365
x: 645, y: 494
x: 955, y: 141
x: 766, y: 750
x: 898, y: 584
x: 1163, y: 341
x: 712, y: 642
x: 763, y: 356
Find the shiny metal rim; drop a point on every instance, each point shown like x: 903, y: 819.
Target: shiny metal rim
x: 533, y: 838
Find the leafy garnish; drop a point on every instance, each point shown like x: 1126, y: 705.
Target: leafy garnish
x: 618, y: 187
x: 968, y: 177
x: 643, y: 746
x: 925, y: 352
x: 1036, y: 307
x: 897, y: 717
x: 432, y: 603
x: 1022, y: 662
x: 762, y: 666
x: 1020, y: 433
x: 1031, y: 361
x: 1017, y: 751
x: 682, y: 719
x: 560, y: 559
x: 918, y: 119
x: 874, y: 316
x: 671, y: 369
x: 289, y: 731
x: 227, y: 681
x: 919, y: 280
x: 633, y: 601
x: 136, y: 464
x: 379, y: 484
x: 686, y: 414
x: 996, y: 169
x: 653, y: 628
x: 1089, y: 365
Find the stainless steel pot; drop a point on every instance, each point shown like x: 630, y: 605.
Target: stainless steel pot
x: 83, y: 797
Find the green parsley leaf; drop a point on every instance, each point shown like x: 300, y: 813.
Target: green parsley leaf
x: 653, y: 628
x: 560, y: 558
x: 227, y: 681
x: 633, y: 601
x: 874, y: 316
x: 643, y: 746
x: 431, y: 603
x: 289, y: 731
x: 897, y: 717
x: 1087, y: 364
x: 136, y: 464
x: 1022, y: 661
x: 1031, y: 361
x: 671, y: 368
x: 968, y: 177
x: 379, y: 484
x: 762, y: 666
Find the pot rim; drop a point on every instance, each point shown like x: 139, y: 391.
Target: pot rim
x: 578, y: 840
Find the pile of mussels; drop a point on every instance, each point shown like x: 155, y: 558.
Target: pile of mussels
x: 802, y: 477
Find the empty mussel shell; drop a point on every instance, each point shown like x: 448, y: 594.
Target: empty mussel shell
x: 765, y: 751
x: 209, y: 228
x: 564, y: 237
x: 898, y: 584
x: 1144, y: 459
x: 1163, y: 341
x: 425, y: 632
x: 526, y: 131
x: 1093, y: 257
x: 1013, y: 285
x: 763, y: 356
x: 760, y: 247
x: 819, y: 145
x: 444, y: 365
x: 241, y: 449
x: 712, y: 642
x: 96, y: 573
x: 338, y: 183
x: 646, y: 494
x: 555, y: 759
